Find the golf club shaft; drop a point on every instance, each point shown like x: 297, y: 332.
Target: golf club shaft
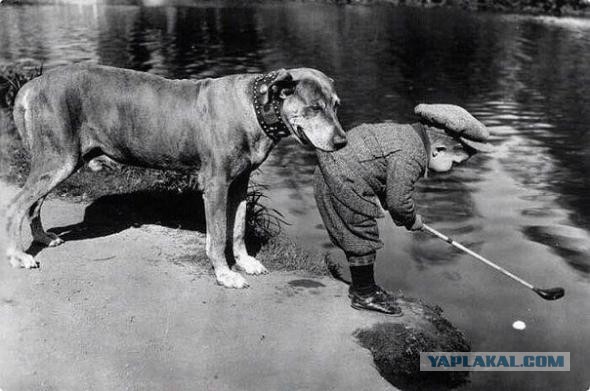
x: 477, y: 256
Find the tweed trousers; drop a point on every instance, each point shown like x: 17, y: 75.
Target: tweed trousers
x: 355, y: 233
x: 375, y: 171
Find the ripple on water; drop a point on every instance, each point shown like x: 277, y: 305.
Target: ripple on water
x: 570, y: 243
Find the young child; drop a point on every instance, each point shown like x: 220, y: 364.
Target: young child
x: 379, y: 167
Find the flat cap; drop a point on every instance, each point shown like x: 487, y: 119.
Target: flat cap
x: 456, y: 121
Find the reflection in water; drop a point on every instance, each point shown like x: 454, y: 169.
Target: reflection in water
x: 537, y: 157
x: 570, y: 243
x: 526, y: 78
x: 445, y: 198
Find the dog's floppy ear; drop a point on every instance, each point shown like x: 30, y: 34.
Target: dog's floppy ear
x: 280, y: 87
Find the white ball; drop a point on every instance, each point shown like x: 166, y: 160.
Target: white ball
x: 519, y: 325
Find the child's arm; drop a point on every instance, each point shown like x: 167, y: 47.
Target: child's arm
x: 403, y: 171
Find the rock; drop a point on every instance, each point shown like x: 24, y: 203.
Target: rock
x: 396, y: 347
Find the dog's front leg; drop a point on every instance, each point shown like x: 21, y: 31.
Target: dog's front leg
x: 218, y: 238
x: 238, y: 201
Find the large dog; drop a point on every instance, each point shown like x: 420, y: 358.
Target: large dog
x: 220, y: 129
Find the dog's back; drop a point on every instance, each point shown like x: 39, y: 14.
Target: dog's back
x: 133, y: 117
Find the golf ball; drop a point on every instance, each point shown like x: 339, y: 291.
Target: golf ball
x: 519, y: 325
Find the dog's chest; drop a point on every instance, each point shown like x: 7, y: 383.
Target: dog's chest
x: 259, y: 152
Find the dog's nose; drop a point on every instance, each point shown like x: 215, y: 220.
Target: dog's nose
x: 340, y: 141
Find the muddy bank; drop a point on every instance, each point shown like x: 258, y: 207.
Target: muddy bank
x: 138, y: 308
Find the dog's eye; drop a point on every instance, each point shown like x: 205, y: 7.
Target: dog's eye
x: 438, y: 149
x: 313, y: 110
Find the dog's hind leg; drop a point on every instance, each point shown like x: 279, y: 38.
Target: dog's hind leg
x: 237, y: 208
x: 219, y: 237
x: 48, y: 239
x: 43, y: 178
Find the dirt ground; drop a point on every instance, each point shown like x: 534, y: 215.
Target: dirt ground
x: 131, y: 310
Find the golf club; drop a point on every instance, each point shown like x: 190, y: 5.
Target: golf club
x: 547, y: 294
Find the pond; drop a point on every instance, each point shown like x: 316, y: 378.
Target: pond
x: 526, y: 206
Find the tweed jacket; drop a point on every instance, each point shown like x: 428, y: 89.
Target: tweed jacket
x: 380, y: 164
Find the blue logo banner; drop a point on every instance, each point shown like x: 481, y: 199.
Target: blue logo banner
x: 494, y: 361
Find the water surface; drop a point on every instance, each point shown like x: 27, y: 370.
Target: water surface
x: 525, y: 206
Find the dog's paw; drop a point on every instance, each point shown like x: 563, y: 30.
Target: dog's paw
x: 231, y: 279
x: 49, y: 239
x: 21, y: 259
x: 250, y: 265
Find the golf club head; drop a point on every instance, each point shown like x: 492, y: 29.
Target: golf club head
x: 551, y: 293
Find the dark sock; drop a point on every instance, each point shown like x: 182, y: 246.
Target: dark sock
x: 363, y: 280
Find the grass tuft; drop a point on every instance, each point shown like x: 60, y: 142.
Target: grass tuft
x: 14, y: 158
x: 12, y: 78
x: 264, y: 222
x: 283, y: 254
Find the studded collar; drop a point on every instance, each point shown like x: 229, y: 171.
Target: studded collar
x: 268, y: 110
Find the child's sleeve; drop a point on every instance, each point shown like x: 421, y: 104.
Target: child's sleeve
x: 403, y: 171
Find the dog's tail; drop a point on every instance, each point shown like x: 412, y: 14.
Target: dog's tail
x: 19, y: 116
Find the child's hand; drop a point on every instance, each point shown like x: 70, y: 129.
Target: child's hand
x: 418, y: 225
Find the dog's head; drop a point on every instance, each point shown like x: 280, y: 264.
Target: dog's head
x: 309, y: 104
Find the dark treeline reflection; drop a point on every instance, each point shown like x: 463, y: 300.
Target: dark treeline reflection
x: 182, y: 42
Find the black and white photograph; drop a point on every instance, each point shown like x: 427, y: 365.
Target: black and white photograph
x: 235, y: 195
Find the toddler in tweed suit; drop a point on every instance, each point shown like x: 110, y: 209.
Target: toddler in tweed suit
x: 377, y: 170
